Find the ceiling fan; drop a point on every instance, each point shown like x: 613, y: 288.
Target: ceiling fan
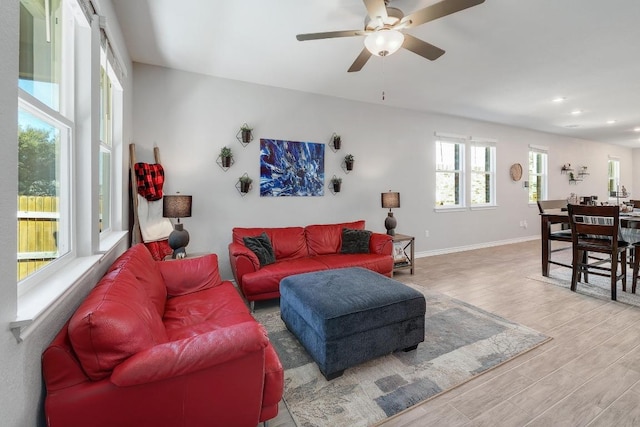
x: 382, y: 27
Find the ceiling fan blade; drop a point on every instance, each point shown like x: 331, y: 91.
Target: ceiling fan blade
x: 331, y: 35
x: 422, y: 48
x: 360, y: 61
x: 376, y: 8
x: 438, y: 10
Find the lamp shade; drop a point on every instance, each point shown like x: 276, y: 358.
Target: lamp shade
x: 384, y: 42
x: 177, y: 206
x: 390, y: 199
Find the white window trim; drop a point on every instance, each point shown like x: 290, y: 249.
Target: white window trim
x: 486, y: 143
x: 88, y: 250
x: 542, y: 150
x: 467, y: 142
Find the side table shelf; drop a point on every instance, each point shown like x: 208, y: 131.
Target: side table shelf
x: 403, y: 259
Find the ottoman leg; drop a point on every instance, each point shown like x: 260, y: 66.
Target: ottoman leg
x: 333, y: 375
x: 413, y: 347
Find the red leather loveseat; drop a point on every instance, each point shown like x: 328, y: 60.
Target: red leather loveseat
x: 302, y: 250
x: 161, y: 344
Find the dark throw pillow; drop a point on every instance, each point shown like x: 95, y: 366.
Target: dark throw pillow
x: 261, y: 246
x: 355, y: 241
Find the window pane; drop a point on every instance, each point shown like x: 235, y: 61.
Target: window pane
x: 537, y: 176
x: 105, y: 190
x: 42, y: 173
x: 482, y: 173
x: 40, y: 65
x: 614, y: 176
x: 447, y: 189
x: 480, y: 189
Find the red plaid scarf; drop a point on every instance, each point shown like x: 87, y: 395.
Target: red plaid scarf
x: 150, y: 179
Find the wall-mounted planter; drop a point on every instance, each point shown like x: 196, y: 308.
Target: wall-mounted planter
x: 348, y: 163
x: 245, y: 135
x: 225, y: 158
x: 336, y: 142
x: 244, y: 184
x: 335, y: 184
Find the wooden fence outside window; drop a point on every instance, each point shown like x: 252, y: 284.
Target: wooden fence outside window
x: 38, y: 219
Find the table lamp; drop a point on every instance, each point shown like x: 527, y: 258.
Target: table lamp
x: 390, y: 200
x: 177, y: 206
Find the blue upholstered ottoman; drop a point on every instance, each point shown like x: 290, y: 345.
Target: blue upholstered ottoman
x: 347, y: 316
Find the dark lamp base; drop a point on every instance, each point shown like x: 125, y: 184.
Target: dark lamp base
x: 178, y: 240
x: 390, y: 224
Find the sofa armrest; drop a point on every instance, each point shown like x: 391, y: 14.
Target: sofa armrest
x: 381, y: 244
x: 191, y: 354
x: 185, y: 276
x: 243, y: 260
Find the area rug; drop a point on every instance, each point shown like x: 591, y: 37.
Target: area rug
x: 461, y: 342
x: 598, y: 286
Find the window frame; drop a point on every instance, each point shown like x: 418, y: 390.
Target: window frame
x: 544, y: 174
x: 58, y: 113
x: 489, y: 174
x: 49, y: 286
x: 613, y: 181
x: 458, y: 170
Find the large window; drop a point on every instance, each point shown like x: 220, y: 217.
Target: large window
x: 483, y: 173
x: 45, y: 138
x: 106, y: 143
x: 58, y: 216
x: 614, y: 177
x: 449, y: 173
x: 537, y: 174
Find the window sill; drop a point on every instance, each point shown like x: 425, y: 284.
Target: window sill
x: 483, y: 207
x: 451, y: 209
x: 34, y: 304
x: 110, y: 240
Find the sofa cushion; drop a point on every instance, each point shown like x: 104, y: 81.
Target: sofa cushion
x: 204, y: 311
x: 382, y: 264
x: 327, y: 238
x: 139, y: 260
x: 115, y: 321
x: 355, y: 241
x: 267, y: 279
x: 261, y: 246
x: 287, y: 242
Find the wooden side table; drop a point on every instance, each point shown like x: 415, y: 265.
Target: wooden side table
x: 402, y: 259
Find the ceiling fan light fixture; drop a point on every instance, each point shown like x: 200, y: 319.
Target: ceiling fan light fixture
x: 384, y: 42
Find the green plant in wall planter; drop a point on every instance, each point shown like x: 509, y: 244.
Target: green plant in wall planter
x: 246, y: 132
x: 337, y: 142
x: 336, y: 183
x: 245, y: 183
x: 348, y: 161
x: 225, y: 157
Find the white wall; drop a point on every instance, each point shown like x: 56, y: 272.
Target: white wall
x: 22, y: 393
x: 191, y: 116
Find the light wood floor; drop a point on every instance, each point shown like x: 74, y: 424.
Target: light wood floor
x: 589, y: 374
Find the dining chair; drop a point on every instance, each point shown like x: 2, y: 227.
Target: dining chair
x: 561, y: 235
x: 596, y: 229
x: 635, y: 257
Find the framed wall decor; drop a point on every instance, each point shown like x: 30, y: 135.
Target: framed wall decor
x: 291, y: 168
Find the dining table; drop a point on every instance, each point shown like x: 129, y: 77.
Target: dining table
x: 629, y: 232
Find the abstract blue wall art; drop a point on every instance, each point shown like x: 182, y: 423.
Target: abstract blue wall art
x: 291, y: 168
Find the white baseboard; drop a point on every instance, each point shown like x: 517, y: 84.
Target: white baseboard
x: 445, y: 251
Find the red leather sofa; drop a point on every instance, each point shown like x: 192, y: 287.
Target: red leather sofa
x: 302, y: 250
x: 161, y: 343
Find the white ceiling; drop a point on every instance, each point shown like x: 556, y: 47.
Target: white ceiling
x: 505, y: 60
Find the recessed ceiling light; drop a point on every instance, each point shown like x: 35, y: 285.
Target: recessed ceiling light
x: 610, y: 122
x: 636, y: 129
x: 559, y: 99
x: 576, y: 112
